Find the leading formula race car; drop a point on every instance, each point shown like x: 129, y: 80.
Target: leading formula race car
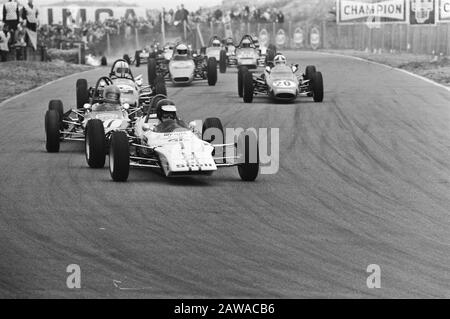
x: 92, y: 124
x: 178, y: 149
x: 281, y: 83
x: 184, y: 67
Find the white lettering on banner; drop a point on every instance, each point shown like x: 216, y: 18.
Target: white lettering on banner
x: 298, y: 36
x: 91, y: 13
x: 355, y: 10
x: 444, y: 10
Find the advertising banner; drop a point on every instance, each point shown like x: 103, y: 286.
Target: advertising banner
x: 444, y: 11
x: 422, y: 12
x: 388, y: 11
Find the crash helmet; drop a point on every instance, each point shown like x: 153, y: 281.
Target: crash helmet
x: 229, y: 41
x: 182, y: 49
x: 279, y: 59
x: 166, y: 109
x: 111, y: 94
x: 246, y: 43
x: 121, y: 69
x: 216, y: 43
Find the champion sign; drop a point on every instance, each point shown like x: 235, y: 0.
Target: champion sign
x: 444, y: 10
x: 358, y: 11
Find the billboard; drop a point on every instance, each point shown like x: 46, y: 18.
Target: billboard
x: 422, y: 12
x: 354, y: 11
x: 444, y: 11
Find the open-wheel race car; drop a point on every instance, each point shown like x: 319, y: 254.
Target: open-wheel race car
x: 184, y: 67
x: 247, y: 53
x: 281, y: 82
x: 91, y: 123
x: 162, y: 141
x: 154, y: 52
x: 216, y: 50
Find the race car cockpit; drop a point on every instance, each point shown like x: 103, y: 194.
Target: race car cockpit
x: 121, y: 70
x: 247, y: 42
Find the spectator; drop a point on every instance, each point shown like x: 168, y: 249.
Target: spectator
x: 280, y: 17
x: 30, y: 15
x: 4, y: 39
x: 11, y: 15
x: 184, y: 14
x: 178, y: 16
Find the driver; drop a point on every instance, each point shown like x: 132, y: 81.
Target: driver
x: 182, y: 50
x: 246, y: 43
x: 229, y: 41
x: 279, y: 59
x: 216, y: 43
x: 121, y: 70
x: 167, y: 115
x: 111, y: 100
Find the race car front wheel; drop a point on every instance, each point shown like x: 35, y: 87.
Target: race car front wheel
x: 95, y: 144
x: 151, y: 71
x: 223, y: 61
x: 248, y: 152
x: 160, y: 86
x: 212, y: 132
x: 317, y: 87
x: 240, y: 82
x: 248, y: 90
x: 212, y: 71
x: 119, y: 157
x: 309, y: 71
x: 137, y: 58
x: 52, y: 131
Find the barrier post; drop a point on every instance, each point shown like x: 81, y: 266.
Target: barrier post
x: 163, y: 29
x: 136, y: 34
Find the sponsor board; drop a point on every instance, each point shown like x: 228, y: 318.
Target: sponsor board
x: 422, y: 12
x: 443, y: 10
x: 298, y: 37
x: 314, y: 38
x: 280, y: 38
x: 263, y: 37
x: 388, y: 11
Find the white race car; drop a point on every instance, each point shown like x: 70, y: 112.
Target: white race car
x: 178, y: 149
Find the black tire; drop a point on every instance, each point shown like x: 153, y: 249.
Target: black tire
x: 240, y: 82
x: 212, y: 71
x: 317, y: 87
x: 95, y: 144
x: 126, y: 57
x: 309, y: 71
x: 52, y: 128
x: 223, y: 61
x: 202, y: 50
x: 119, y: 157
x: 57, y: 105
x: 214, y: 123
x: 104, y: 61
x: 82, y: 93
x: 151, y: 71
x: 248, y: 170
x: 137, y: 58
x: 160, y: 86
x: 248, y: 90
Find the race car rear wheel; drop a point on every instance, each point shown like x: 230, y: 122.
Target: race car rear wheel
x: 317, y: 87
x: 57, y: 105
x: 160, y: 86
x: 119, y: 157
x: 95, y: 144
x: 212, y: 71
x: 223, y: 61
x: 212, y: 132
x: 52, y: 131
x: 137, y: 58
x: 309, y: 71
x: 82, y: 93
x: 248, y: 90
x: 248, y: 169
x: 240, y: 82
x: 151, y: 71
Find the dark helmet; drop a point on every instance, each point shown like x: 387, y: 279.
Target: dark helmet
x: 111, y: 94
x: 166, y: 108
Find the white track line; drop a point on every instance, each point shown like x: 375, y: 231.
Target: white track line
x: 43, y: 86
x: 388, y: 67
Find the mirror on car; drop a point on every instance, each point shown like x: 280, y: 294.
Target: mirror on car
x: 295, y: 68
x: 126, y: 106
x: 268, y: 69
x: 192, y: 125
x: 87, y: 106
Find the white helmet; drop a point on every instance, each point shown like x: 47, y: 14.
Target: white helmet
x: 121, y: 69
x: 246, y: 43
x: 182, y: 49
x: 216, y: 43
x: 279, y: 59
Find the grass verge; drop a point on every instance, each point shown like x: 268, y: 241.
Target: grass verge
x: 20, y: 76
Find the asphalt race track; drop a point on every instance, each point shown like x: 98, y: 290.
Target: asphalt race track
x: 364, y: 179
